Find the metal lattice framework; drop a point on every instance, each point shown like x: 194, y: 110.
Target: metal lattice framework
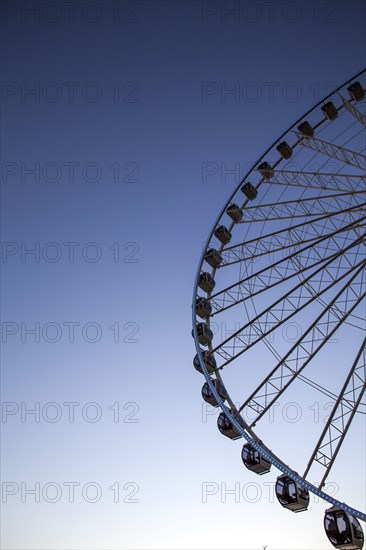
x: 296, y: 252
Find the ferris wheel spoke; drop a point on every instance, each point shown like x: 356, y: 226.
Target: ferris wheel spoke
x: 360, y: 117
x: 310, y: 382
x: 314, y: 199
x: 281, y: 311
x: 306, y: 347
x: 281, y: 216
x: 317, y: 180
x: 286, y: 234
x: 277, y: 273
x: 357, y: 160
x: 299, y: 209
x: 291, y: 237
x: 340, y: 419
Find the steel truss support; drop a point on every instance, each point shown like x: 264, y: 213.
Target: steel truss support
x: 317, y: 180
x: 279, y: 240
x: 307, y: 346
x: 353, y: 110
x: 309, y: 207
x: 296, y: 299
x: 334, y: 151
x: 277, y: 273
x: 340, y: 419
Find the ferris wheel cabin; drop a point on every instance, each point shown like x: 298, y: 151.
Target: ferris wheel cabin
x: 356, y: 91
x: 227, y: 428
x: 306, y: 130
x: 265, y: 170
x: 330, y: 110
x: 204, y: 334
x: 290, y: 495
x: 254, y: 461
x: 209, y: 361
x: 223, y: 234
x: 213, y: 257
x: 206, y: 282
x: 249, y: 191
x: 209, y: 397
x: 234, y: 212
x: 285, y: 150
x: 203, y: 308
x: 343, y: 530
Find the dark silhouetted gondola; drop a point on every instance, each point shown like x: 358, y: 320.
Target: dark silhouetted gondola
x: 234, y: 212
x: 343, y: 530
x: 209, y: 397
x: 223, y: 234
x: 227, y: 428
x: 203, y: 307
x: 284, y: 149
x: 213, y: 257
x: 206, y: 282
x: 356, y: 91
x: 291, y: 495
x: 330, y: 110
x: 204, y: 334
x: 306, y: 130
x: 249, y: 191
x: 254, y: 461
x: 265, y: 170
x: 208, y: 359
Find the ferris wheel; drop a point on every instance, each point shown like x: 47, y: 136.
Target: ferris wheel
x: 289, y: 249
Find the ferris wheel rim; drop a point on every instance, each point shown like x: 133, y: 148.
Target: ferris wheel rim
x: 247, y: 432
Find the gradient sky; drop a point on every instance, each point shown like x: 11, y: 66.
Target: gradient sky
x: 130, y: 129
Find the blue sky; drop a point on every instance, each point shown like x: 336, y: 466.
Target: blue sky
x: 113, y: 171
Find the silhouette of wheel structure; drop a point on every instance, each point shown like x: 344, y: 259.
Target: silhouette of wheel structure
x: 279, y: 305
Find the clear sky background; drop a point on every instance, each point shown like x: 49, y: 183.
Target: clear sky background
x: 135, y: 143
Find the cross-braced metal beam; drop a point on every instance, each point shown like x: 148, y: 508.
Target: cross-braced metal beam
x: 296, y: 299
x: 317, y: 180
x: 340, y: 419
x: 289, y: 237
x: 334, y: 151
x: 308, y: 345
x: 360, y: 117
x: 326, y: 248
x: 306, y: 207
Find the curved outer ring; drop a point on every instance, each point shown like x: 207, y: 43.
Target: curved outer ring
x: 255, y: 441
